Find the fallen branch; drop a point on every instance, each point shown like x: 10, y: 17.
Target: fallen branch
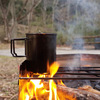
x: 13, y: 96
x: 3, y: 97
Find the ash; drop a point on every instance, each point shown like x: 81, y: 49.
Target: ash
x: 80, y: 83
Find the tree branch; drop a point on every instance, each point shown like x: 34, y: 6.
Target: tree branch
x: 2, y: 10
x: 33, y: 7
x: 19, y: 14
x: 9, y: 5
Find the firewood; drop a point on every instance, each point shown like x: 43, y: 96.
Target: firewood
x: 4, y: 97
x: 13, y: 96
x: 69, y: 93
x: 90, y: 89
x: 66, y: 93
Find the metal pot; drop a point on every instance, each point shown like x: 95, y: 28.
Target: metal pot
x: 39, y: 49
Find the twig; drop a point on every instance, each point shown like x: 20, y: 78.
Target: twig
x: 4, y: 96
x: 33, y: 7
x: 13, y: 96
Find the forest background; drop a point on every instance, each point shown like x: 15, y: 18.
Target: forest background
x: 67, y: 18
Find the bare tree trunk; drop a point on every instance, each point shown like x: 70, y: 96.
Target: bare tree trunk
x: 6, y: 28
x: 30, y: 15
x: 54, y: 11
x: 5, y: 12
x: 68, y: 10
x: 44, y: 12
x: 13, y: 28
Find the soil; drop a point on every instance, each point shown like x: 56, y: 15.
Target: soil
x: 7, y: 46
x: 9, y: 77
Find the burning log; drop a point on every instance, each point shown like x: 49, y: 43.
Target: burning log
x: 83, y: 93
x: 67, y: 93
x: 90, y: 89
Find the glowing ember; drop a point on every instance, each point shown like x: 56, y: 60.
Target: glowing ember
x: 40, y: 89
x: 87, y: 65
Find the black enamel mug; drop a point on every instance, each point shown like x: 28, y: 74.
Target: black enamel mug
x: 40, y: 49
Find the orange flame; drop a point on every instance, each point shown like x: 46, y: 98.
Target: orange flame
x: 37, y: 89
x: 54, y: 68
x: 53, y: 89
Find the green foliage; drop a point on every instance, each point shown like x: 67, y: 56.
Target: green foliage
x: 97, y: 32
x: 49, y: 10
x: 2, y: 33
x: 36, y: 23
x: 5, y: 3
x: 92, y: 32
x: 38, y: 9
x: 18, y: 6
x: 49, y: 25
x: 1, y: 19
x: 61, y: 38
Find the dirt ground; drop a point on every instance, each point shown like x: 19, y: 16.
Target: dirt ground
x: 7, y: 46
x: 9, y: 77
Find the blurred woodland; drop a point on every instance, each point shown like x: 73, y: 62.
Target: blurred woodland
x: 67, y: 18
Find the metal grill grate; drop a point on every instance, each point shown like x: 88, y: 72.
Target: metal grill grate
x: 89, y: 72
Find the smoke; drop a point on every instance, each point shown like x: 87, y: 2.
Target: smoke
x: 75, y: 17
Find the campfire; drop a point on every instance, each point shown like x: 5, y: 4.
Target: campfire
x: 32, y: 89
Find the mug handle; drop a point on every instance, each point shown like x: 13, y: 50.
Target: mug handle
x: 14, y: 54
